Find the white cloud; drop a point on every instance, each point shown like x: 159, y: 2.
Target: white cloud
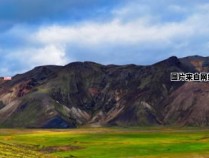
x: 133, y: 35
x: 116, y: 32
x: 46, y: 55
x: 22, y: 60
x: 144, y: 29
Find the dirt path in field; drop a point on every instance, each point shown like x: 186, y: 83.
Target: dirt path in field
x: 52, y: 149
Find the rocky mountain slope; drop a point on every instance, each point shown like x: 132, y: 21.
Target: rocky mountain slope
x: 87, y: 93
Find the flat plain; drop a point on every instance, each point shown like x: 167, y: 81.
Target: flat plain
x: 155, y: 142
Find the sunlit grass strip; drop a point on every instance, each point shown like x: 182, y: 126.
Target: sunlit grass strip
x: 108, y: 142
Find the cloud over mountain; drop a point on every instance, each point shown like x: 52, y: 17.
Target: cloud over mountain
x: 120, y: 32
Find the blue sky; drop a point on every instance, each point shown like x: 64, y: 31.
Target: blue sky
x: 45, y: 32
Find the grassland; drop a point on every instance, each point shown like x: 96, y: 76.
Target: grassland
x: 105, y: 143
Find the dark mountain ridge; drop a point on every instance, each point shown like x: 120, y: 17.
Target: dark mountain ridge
x: 88, y: 93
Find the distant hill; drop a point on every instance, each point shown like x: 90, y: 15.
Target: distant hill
x: 87, y: 93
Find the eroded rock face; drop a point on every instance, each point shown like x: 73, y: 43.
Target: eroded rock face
x: 87, y: 93
x: 188, y: 105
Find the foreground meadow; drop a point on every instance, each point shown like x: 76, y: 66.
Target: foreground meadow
x: 105, y: 143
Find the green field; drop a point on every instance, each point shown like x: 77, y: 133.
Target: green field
x: 105, y: 143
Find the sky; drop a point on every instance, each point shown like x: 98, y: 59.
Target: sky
x: 142, y: 32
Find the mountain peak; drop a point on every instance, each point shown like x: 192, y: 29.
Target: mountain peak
x: 83, y: 93
x: 171, y: 61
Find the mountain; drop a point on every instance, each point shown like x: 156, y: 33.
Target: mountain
x: 87, y: 93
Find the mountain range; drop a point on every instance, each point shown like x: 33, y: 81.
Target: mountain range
x: 91, y: 94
